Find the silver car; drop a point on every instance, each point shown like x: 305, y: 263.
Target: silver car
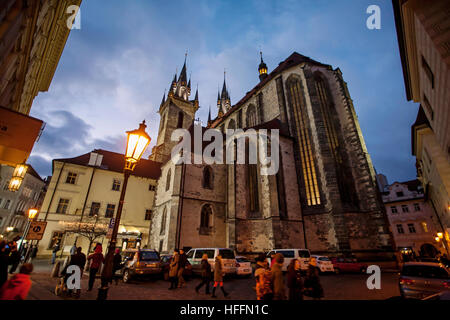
x: 421, y: 279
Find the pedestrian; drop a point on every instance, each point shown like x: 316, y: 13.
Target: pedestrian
x: 181, y: 265
x: 19, y: 285
x: 54, y: 251
x: 117, y: 265
x: 295, y: 281
x: 206, y: 274
x: 14, y: 259
x: 263, y: 278
x: 173, y: 270
x: 34, y: 251
x: 218, y: 276
x: 77, y: 259
x: 3, y: 263
x: 278, y: 278
x: 96, y: 259
x: 312, y: 285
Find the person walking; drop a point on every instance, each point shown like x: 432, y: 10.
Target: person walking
x: 295, y: 281
x: 117, y: 265
x: 312, y: 282
x: 4, y: 261
x: 96, y: 259
x: 19, y: 285
x: 14, y: 259
x: 263, y: 278
x: 206, y: 274
x: 278, y: 278
x: 218, y: 276
x: 173, y: 270
x: 54, y: 251
x: 181, y: 265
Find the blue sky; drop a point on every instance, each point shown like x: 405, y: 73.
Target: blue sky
x: 114, y: 70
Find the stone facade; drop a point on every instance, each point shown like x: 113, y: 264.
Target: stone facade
x: 324, y: 197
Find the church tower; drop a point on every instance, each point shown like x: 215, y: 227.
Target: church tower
x: 177, y: 112
x: 262, y: 69
x: 223, y: 100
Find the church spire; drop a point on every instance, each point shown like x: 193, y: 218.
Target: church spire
x: 262, y: 69
x: 209, y: 115
x: 164, y: 98
x: 183, y: 77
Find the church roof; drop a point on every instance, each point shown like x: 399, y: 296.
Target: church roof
x: 293, y: 60
x: 113, y: 161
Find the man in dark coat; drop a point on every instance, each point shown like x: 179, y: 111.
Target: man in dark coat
x: 117, y: 265
x: 14, y: 259
x: 181, y: 265
x: 3, y: 263
x: 206, y: 274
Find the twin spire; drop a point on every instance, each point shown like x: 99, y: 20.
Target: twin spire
x: 181, y: 88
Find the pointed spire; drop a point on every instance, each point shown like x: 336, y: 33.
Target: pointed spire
x: 196, y: 94
x: 262, y: 69
x: 189, y: 83
x: 224, y: 88
x: 164, y: 98
x: 183, y: 76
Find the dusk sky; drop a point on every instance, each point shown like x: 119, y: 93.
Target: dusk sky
x: 114, y: 70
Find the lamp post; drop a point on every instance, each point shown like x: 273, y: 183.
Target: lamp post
x: 137, y: 142
x: 32, y: 212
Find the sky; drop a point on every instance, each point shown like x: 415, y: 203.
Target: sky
x: 115, y: 68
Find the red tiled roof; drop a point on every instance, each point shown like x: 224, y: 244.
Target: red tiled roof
x: 115, y: 162
x: 293, y: 60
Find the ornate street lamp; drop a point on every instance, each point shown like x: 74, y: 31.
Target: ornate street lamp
x: 17, y: 177
x: 137, y: 142
x: 32, y: 212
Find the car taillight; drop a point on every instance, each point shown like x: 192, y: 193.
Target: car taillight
x: 446, y: 284
x: 406, y: 281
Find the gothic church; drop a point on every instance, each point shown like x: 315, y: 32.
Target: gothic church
x: 324, y: 196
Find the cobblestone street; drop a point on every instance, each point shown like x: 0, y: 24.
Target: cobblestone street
x: 336, y: 287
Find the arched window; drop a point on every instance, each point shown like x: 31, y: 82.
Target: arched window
x: 252, y: 182
x: 163, y: 221
x: 180, y: 119
x: 301, y: 120
x: 205, y: 219
x: 168, y: 177
x: 231, y: 124
x: 208, y: 178
x: 332, y: 129
x: 251, y: 116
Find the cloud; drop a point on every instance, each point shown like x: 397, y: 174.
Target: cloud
x: 114, y: 70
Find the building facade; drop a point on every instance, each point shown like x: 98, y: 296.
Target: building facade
x: 324, y: 196
x: 83, y: 195
x: 422, y: 29
x: 412, y: 220
x: 14, y: 205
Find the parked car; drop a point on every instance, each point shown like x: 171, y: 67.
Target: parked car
x: 444, y: 295
x: 139, y: 262
x: 421, y: 279
x: 228, y: 259
x: 166, y: 259
x: 302, y: 255
x: 324, y: 264
x: 243, y: 266
x: 341, y: 264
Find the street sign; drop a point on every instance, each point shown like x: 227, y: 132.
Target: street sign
x: 110, y: 228
x: 36, y: 230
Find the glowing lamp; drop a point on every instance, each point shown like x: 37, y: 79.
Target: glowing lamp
x: 17, y: 177
x: 32, y: 213
x: 440, y: 235
x: 137, y: 142
x: 437, y: 239
x: 9, y: 229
